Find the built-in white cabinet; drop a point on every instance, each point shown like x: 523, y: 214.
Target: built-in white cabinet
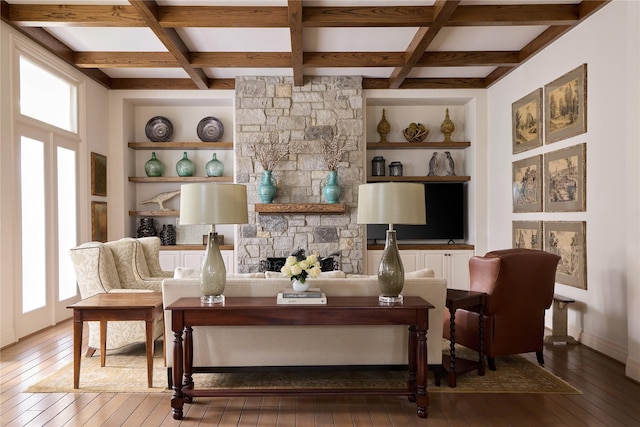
x: 170, y: 259
x: 453, y: 265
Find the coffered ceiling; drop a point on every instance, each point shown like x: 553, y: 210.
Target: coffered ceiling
x: 189, y: 44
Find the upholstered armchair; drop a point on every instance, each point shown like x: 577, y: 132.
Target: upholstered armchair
x: 125, y: 265
x: 519, y: 284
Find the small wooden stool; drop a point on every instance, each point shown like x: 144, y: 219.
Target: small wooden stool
x: 560, y: 333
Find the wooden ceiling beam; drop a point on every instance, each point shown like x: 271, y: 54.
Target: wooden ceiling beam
x: 283, y: 59
x: 278, y: 17
x: 223, y: 16
x: 125, y: 60
x: 171, y: 40
x: 170, y: 84
x: 295, y: 30
x: 41, y: 15
x: 428, y: 83
x: 422, y: 39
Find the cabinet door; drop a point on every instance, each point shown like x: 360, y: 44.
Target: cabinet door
x: 169, y: 260
x: 192, y: 259
x: 459, y: 269
x: 411, y: 261
x: 452, y: 265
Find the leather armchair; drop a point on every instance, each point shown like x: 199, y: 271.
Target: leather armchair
x: 125, y: 265
x: 519, y: 284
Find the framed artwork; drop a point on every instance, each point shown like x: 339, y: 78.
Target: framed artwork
x: 568, y: 240
x: 527, y: 234
x: 565, y: 105
x: 526, y: 122
x: 565, y: 180
x: 98, y: 174
x: 99, y: 221
x: 527, y: 185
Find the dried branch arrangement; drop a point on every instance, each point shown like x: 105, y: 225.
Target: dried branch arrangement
x: 332, y: 151
x: 269, y: 152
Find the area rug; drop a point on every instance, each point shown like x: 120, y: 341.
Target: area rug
x: 126, y: 371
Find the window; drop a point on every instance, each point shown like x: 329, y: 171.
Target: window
x: 46, y: 97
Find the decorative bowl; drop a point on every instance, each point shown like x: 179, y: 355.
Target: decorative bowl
x: 415, y: 132
x: 158, y: 129
x: 210, y: 129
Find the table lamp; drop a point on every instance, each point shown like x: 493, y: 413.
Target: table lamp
x: 212, y: 203
x: 391, y: 203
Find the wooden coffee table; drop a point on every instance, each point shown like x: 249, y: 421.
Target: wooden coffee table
x: 256, y: 311
x: 145, y: 306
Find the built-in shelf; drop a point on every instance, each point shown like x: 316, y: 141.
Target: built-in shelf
x: 148, y: 179
x: 454, y: 178
x: 181, y: 145
x: 416, y: 145
x: 301, y: 208
x: 154, y: 213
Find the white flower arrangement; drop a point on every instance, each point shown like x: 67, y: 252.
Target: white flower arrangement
x: 300, y: 270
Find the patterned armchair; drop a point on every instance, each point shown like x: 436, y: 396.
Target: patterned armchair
x: 125, y: 265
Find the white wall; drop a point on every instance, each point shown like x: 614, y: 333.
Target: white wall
x: 94, y: 131
x: 604, y: 43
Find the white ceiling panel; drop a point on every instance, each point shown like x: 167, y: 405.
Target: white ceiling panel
x: 450, y: 72
x: 485, y: 38
x: 236, y: 39
x: 230, y: 73
x: 357, y: 39
x: 349, y: 71
x: 101, y: 39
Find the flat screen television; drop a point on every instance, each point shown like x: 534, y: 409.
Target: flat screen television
x: 445, y: 207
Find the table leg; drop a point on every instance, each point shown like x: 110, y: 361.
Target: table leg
x: 452, y: 348
x: 177, y: 399
x: 149, y: 330
x: 422, y: 396
x: 187, y: 383
x: 77, y: 348
x: 413, y: 363
x: 481, y: 346
x: 103, y: 343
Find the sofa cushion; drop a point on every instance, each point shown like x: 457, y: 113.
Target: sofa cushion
x: 425, y: 272
x: 186, y: 273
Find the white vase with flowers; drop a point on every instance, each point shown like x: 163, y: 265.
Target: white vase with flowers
x: 299, y: 270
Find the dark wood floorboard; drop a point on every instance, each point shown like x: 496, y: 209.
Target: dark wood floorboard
x: 608, y: 398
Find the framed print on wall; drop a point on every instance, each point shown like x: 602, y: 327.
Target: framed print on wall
x: 565, y: 180
x: 527, y: 234
x: 527, y: 185
x: 99, y: 221
x: 567, y: 239
x: 526, y: 122
x: 98, y: 174
x: 565, y: 105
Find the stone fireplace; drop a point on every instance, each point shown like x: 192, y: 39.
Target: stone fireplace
x: 297, y: 115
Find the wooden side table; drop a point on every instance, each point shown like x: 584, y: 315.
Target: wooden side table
x: 145, y: 306
x: 560, y: 330
x: 456, y: 299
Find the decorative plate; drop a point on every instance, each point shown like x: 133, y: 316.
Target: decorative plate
x: 210, y: 129
x: 158, y: 129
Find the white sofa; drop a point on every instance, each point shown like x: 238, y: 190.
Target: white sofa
x: 235, y: 346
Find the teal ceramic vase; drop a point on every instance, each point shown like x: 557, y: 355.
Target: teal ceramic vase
x: 153, y: 167
x: 185, y: 167
x: 214, y: 167
x: 332, y: 189
x: 267, y: 189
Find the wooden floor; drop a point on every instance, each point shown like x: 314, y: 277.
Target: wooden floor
x: 608, y: 400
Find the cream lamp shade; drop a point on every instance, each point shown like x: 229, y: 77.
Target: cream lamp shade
x: 211, y: 203
x: 391, y: 203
